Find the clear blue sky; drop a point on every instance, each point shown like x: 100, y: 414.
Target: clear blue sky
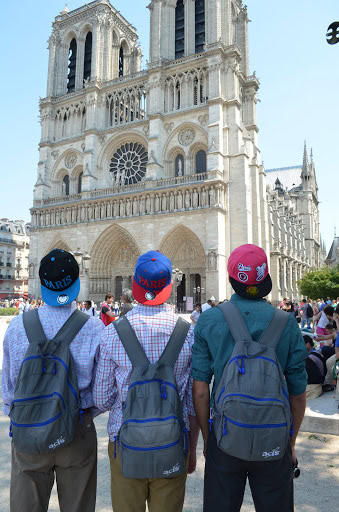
x: 298, y: 71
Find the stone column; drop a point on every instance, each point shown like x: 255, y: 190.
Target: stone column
x: 189, y: 27
x: 53, y: 40
x: 79, y: 72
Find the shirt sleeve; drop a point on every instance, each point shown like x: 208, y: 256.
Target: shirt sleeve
x: 104, y: 387
x: 295, y: 372
x: 105, y: 310
x: 189, y: 389
x: 8, y: 381
x: 337, y: 341
x: 201, y: 356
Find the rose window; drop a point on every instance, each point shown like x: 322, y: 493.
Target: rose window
x: 128, y: 164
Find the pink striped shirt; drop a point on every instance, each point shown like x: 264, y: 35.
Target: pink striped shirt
x: 153, y: 326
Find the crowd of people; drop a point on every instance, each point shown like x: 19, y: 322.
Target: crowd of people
x: 65, y: 362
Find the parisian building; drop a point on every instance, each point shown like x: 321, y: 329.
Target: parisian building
x: 14, y: 250
x: 165, y: 158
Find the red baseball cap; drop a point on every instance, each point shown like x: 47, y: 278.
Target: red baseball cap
x: 152, y: 280
x: 248, y: 272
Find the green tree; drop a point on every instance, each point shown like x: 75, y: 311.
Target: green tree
x: 320, y: 283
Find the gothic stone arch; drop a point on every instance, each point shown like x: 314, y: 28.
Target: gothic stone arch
x: 58, y: 243
x: 113, y: 256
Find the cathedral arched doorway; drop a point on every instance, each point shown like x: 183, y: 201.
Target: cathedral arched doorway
x: 113, y: 258
x: 186, y: 252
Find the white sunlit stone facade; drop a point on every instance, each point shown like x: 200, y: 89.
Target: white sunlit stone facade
x: 165, y: 158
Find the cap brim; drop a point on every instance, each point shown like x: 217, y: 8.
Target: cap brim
x: 257, y: 291
x: 162, y: 296
x: 60, y: 298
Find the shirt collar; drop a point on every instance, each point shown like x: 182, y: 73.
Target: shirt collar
x: 72, y: 306
x: 239, y: 298
x: 160, y: 307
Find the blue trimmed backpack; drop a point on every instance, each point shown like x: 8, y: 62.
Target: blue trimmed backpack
x: 251, y: 413
x: 153, y: 439
x: 46, y: 404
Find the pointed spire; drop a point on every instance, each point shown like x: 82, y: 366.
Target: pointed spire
x: 65, y: 10
x: 305, y: 158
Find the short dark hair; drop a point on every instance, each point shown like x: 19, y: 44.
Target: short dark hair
x: 109, y: 296
x: 329, y: 326
x: 328, y: 310
x: 209, y: 301
x: 198, y: 304
x: 88, y: 302
x: 308, y: 339
x: 304, y: 300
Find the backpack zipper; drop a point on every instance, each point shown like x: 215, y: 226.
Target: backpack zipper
x: 151, y: 448
x: 246, y: 425
x: 42, y: 424
x: 41, y: 396
x: 254, y: 398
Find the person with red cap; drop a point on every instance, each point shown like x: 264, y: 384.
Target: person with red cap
x: 153, y: 323
x: 270, y: 474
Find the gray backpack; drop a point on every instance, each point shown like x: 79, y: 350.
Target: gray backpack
x: 153, y: 440
x: 46, y: 402
x: 252, y: 418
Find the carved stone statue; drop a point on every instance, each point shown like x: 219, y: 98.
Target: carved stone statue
x: 74, y: 214
x: 109, y: 209
x: 179, y: 201
x: 164, y: 202
x: 47, y: 218
x: 90, y: 211
x: 187, y: 200
x: 42, y: 219
x: 128, y: 207
x: 97, y: 211
x: 62, y: 216
x: 171, y: 202
x: 64, y: 188
x: 142, y: 205
x: 204, y: 198
x: 135, y: 206
x: 195, y: 198
x: 115, y: 209
x: 31, y: 270
x: 68, y: 215
x: 82, y: 213
x: 122, y: 208
x: 212, y: 260
x: 157, y: 203
x: 103, y: 211
x: 53, y: 218
x: 148, y: 204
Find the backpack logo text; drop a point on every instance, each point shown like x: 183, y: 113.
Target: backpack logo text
x: 273, y: 453
x: 173, y: 470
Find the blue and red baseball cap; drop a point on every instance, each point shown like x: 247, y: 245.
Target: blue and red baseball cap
x: 152, y: 280
x: 59, y: 278
x: 248, y: 272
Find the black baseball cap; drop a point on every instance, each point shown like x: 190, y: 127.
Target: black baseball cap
x: 59, y: 277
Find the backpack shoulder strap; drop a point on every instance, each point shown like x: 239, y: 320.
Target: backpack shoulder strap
x: 130, y: 342
x: 175, y: 343
x: 71, y: 327
x: 272, y: 334
x: 235, y: 321
x: 33, y: 327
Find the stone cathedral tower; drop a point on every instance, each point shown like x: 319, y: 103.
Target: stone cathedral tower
x: 165, y: 158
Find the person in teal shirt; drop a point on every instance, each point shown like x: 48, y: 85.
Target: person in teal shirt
x: 225, y: 476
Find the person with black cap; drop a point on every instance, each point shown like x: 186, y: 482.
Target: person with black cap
x: 225, y: 475
x: 75, y: 464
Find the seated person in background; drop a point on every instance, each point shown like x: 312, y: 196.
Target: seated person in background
x: 332, y: 357
x: 315, y: 363
x: 325, y: 316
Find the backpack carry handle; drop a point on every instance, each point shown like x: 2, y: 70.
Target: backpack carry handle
x: 130, y: 342
x: 175, y: 343
x: 235, y: 321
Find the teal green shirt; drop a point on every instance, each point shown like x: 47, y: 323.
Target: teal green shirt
x: 213, y: 343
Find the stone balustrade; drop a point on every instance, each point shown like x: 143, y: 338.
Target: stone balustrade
x: 193, y: 197
x: 99, y: 285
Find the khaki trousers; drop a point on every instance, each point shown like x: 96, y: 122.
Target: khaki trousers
x: 130, y: 495
x: 329, y: 365
x: 75, y: 468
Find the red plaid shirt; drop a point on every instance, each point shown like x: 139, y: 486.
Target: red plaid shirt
x: 153, y: 326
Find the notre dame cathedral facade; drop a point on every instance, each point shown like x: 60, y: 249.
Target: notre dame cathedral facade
x: 165, y: 158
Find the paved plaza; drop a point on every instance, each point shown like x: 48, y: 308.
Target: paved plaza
x: 317, y: 489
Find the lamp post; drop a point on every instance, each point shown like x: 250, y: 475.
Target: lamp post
x: 83, y: 262
x: 177, y: 278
